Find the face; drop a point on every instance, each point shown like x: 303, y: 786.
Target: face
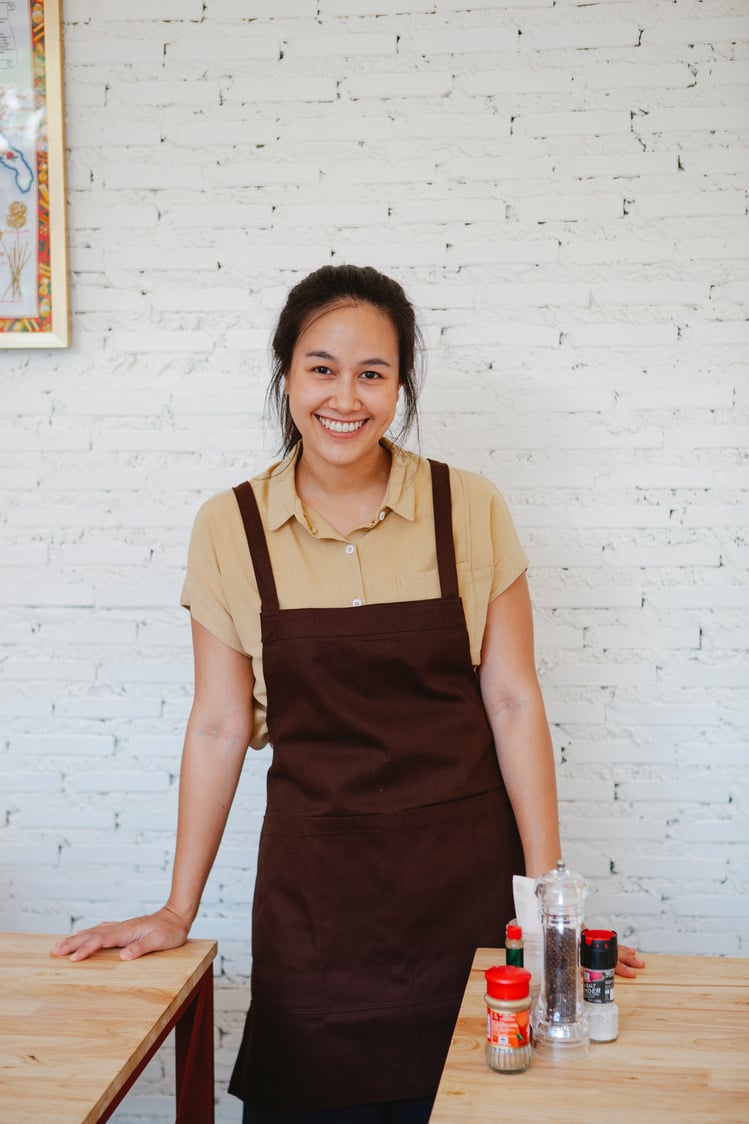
x: 343, y: 384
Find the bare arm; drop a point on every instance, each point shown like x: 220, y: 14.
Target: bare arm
x: 515, y: 709
x: 514, y: 705
x: 216, y: 740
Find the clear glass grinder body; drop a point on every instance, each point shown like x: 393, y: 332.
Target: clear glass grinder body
x: 560, y: 1029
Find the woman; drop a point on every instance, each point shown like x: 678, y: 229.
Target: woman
x: 368, y: 611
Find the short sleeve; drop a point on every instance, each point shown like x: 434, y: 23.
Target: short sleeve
x: 489, y: 553
x: 509, y: 558
x: 203, y: 592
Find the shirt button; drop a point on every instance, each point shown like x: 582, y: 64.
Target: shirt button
x: 356, y: 601
x: 381, y: 516
x: 350, y: 548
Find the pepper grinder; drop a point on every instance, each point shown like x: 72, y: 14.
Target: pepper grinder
x: 560, y: 1029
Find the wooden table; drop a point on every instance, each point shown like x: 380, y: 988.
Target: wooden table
x: 682, y: 1054
x: 75, y: 1036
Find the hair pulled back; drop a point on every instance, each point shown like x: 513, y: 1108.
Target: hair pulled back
x: 321, y: 291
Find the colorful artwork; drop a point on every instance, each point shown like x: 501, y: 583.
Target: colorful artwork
x: 33, y: 259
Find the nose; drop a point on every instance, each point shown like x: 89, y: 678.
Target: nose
x: 346, y: 393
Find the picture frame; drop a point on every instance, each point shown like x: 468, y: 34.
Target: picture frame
x: 34, y: 306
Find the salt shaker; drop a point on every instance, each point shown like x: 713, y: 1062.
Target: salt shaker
x: 560, y: 1029
x: 598, y: 955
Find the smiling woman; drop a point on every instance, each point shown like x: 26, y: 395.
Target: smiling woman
x: 366, y: 611
x: 342, y: 387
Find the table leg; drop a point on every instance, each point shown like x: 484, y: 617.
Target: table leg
x: 194, y: 1057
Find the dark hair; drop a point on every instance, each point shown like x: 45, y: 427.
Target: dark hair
x: 322, y: 290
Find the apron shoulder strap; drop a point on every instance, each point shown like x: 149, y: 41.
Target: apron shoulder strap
x: 443, y: 529
x: 253, y: 528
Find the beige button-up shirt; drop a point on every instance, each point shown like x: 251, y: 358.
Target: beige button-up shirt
x: 391, y: 558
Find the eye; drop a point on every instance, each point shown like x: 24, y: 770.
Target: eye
x: 321, y: 370
x: 370, y: 375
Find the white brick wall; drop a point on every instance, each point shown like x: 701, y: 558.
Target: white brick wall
x: 562, y: 188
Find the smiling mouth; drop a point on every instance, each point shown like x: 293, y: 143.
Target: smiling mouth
x: 340, y: 426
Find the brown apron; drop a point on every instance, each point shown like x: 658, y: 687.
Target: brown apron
x: 388, y: 845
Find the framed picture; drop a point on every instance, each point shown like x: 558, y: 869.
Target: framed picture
x: 33, y: 238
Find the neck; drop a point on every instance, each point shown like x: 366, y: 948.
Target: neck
x: 347, y: 496
x: 340, y: 481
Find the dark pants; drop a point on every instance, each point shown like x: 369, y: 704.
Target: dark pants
x: 390, y: 1112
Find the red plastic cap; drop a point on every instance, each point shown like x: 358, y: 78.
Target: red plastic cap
x: 513, y: 933
x: 505, y: 981
x: 591, y: 935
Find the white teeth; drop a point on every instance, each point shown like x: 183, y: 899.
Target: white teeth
x: 340, y: 427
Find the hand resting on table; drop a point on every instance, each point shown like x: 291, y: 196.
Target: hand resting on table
x: 154, y: 932
x: 628, y: 961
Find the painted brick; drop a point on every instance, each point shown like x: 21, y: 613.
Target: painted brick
x: 161, y: 92
x: 517, y: 81
x: 100, y: 52
x: 128, y: 134
x: 582, y: 36
x: 451, y: 41
x: 444, y: 125
x: 623, y: 335
x: 694, y: 119
x: 718, y: 332
x: 478, y: 5
x: 619, y: 166
x: 600, y: 674
x: 499, y: 168
x: 374, y: 171
x: 429, y: 84
x: 617, y: 250
x: 504, y: 333
x: 578, y: 123
x: 728, y: 73
x: 720, y: 160
x: 270, y: 9
x: 633, y: 76
x: 224, y: 215
x: 288, y: 88
x: 705, y: 203
x: 153, y: 340
x: 324, y: 44
x: 512, y: 251
x: 354, y: 126
x: 650, y: 293
x: 581, y: 597
x: 374, y: 7
x: 233, y: 48
x: 572, y: 208
x: 52, y: 745
x: 150, y: 10
x: 717, y: 30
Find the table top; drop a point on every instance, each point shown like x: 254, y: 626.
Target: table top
x: 72, y: 1033
x: 682, y: 1054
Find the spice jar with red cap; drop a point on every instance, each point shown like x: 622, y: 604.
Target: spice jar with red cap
x: 598, y: 956
x: 508, y: 1003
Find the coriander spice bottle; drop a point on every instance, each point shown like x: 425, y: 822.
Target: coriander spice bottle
x: 508, y: 1003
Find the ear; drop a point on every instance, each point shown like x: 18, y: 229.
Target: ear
x: 286, y: 384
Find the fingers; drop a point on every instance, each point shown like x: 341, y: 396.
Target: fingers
x: 628, y: 961
x: 79, y: 946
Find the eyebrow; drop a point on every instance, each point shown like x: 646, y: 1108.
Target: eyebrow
x: 373, y: 362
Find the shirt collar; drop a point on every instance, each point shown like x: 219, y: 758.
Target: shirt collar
x: 284, y: 503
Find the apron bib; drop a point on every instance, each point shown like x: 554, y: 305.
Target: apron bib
x: 388, y: 845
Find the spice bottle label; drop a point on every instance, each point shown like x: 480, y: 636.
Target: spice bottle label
x: 598, y: 986
x: 508, y: 1028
